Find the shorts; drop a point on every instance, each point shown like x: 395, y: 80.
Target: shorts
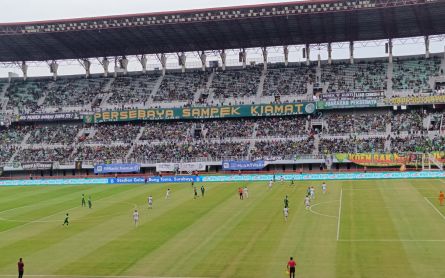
x: 292, y: 270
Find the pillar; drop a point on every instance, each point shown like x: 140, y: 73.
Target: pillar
x: 308, y: 54
x: 203, y: 58
x: 182, y: 61
x: 143, y: 61
x: 244, y: 58
x: 351, y: 52
x: 86, y: 65
x: 286, y: 55
x: 105, y: 63
x: 329, y: 53
x: 124, y: 64
x: 223, y: 59
x: 163, y: 61
x: 427, y: 47
x: 24, y: 68
x: 390, y: 51
x: 264, y: 49
x: 53, y: 67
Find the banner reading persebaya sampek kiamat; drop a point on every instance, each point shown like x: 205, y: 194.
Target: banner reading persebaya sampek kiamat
x: 236, y: 111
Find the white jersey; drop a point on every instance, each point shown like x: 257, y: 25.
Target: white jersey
x: 167, y: 194
x: 136, y: 215
x: 286, y: 212
x: 312, y: 191
x: 307, y: 201
x: 323, y: 186
x: 282, y: 179
x: 150, y: 200
x: 270, y: 183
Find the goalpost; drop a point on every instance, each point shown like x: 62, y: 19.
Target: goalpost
x: 430, y: 163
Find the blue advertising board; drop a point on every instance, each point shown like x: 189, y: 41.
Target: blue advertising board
x: 171, y: 179
x: 243, y: 165
x: 230, y: 178
x: 126, y: 180
x: 117, y: 168
x: 54, y: 182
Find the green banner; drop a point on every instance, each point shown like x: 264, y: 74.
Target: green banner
x: 235, y: 111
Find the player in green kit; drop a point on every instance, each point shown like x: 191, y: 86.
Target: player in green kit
x: 286, y: 202
x: 83, y: 200
x: 66, y: 222
x: 90, y: 204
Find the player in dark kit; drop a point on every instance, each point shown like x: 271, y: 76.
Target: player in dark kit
x: 83, y: 200
x: 202, y: 191
x: 196, y: 193
x: 67, y: 222
x: 286, y: 202
x: 21, y: 267
x: 90, y: 204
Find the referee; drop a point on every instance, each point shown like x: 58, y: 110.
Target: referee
x: 21, y: 267
x: 291, y: 267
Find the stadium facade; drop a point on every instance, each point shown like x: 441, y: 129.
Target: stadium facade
x: 384, y: 111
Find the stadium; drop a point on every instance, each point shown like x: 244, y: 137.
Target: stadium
x: 221, y: 142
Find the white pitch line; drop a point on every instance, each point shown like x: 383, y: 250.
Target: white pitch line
x: 431, y: 204
x: 98, y: 276
x: 339, y: 215
x: 321, y: 214
x: 392, y: 240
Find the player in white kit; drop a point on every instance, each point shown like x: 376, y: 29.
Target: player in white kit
x: 312, y: 192
x: 136, y: 217
x: 286, y: 213
x: 246, y: 192
x: 307, y: 202
x: 323, y: 187
x: 270, y: 184
x: 150, y: 202
x: 167, y: 194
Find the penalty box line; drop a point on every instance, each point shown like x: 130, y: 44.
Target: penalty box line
x: 392, y: 240
x: 434, y: 207
x: 339, y: 215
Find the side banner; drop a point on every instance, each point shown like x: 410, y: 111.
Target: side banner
x: 37, y: 165
x: 415, y: 100
x: 116, y: 168
x: 243, y: 165
x: 182, y: 167
x: 235, y: 111
x: 334, y: 104
x: 388, y: 159
x: 47, y: 117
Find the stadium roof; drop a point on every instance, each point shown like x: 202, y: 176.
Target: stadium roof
x: 264, y: 25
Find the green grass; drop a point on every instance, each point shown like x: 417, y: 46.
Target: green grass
x: 387, y: 228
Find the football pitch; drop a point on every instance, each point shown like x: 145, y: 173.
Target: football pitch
x: 379, y: 228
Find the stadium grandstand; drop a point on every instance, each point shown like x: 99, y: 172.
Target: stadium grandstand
x: 295, y: 115
x: 223, y: 142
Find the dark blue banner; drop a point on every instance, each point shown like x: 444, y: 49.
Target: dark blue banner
x: 116, y: 168
x: 126, y: 180
x: 243, y: 165
x: 174, y: 179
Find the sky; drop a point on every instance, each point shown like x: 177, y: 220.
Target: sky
x: 34, y: 10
